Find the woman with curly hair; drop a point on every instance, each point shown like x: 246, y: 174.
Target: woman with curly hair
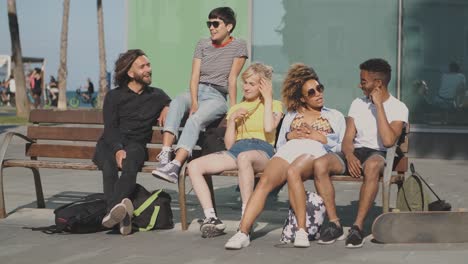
x: 249, y: 138
x: 308, y: 130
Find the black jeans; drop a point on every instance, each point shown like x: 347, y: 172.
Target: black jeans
x: 117, y: 188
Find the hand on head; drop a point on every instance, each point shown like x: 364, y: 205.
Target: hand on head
x: 377, y: 95
x: 266, y: 89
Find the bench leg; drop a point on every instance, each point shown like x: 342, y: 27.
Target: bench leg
x: 2, y: 196
x: 38, y: 185
x: 387, y: 175
x: 182, y: 199
x: 385, y: 197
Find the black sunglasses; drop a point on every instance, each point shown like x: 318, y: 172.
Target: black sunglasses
x: 215, y: 24
x: 318, y: 89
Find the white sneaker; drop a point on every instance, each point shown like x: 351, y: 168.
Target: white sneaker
x: 302, y: 239
x: 126, y: 223
x: 115, y: 216
x: 238, y: 241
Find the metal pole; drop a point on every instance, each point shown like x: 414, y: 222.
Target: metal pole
x: 249, y: 29
x: 399, y: 47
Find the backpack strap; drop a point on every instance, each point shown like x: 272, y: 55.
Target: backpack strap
x: 152, y: 222
x: 416, y: 174
x: 144, y: 206
x: 53, y: 229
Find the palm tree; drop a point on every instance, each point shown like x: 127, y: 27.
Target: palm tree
x: 22, y: 102
x: 102, y: 56
x: 62, y: 72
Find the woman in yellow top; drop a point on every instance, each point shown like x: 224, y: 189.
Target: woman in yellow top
x: 250, y: 136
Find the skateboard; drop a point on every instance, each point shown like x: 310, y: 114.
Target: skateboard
x: 421, y: 227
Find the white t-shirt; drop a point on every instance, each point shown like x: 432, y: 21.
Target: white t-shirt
x: 364, y: 113
x: 12, y: 86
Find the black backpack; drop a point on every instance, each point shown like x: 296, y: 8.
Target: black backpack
x: 152, y: 209
x: 80, y: 217
x: 212, y: 140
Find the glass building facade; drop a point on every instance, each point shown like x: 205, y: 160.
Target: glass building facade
x: 425, y: 41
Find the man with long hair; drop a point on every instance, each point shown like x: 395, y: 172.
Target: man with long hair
x: 130, y: 111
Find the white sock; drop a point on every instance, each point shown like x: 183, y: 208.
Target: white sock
x: 176, y: 162
x: 164, y: 148
x: 243, y: 208
x: 210, y: 212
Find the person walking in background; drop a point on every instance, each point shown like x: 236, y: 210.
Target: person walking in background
x: 308, y: 129
x: 11, y: 88
x: 53, y: 89
x: 129, y: 113
x: 249, y: 138
x: 4, y: 91
x: 88, y: 94
x: 36, y: 86
x: 216, y: 65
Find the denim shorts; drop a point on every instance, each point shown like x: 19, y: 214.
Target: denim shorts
x: 251, y: 144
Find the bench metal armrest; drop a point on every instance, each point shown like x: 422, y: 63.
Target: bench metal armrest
x: 6, y: 142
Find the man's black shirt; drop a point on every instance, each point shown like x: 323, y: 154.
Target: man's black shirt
x: 129, y: 116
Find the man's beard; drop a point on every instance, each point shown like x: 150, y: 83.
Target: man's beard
x: 141, y: 79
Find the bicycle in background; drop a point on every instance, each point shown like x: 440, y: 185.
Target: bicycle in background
x: 79, y: 98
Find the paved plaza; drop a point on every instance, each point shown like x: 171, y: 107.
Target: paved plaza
x: 21, y: 245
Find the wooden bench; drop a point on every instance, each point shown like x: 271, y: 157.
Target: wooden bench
x: 67, y: 139
x: 394, y: 173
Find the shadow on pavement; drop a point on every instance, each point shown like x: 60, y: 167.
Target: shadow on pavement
x: 229, y: 209
x: 4, y: 128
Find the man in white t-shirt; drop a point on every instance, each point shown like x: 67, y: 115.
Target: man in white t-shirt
x: 374, y: 123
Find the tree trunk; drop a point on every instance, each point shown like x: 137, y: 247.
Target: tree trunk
x: 62, y: 72
x: 103, y: 85
x: 22, y: 102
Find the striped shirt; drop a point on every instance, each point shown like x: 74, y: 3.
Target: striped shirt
x: 216, y: 63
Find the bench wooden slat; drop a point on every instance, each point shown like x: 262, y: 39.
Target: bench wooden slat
x: 91, y: 134
x: 65, y: 133
x: 401, y: 165
x: 59, y: 151
x: 234, y: 173
x: 61, y: 165
x: 72, y: 151
x: 91, y: 116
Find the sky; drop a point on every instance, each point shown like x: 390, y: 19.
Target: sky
x: 40, y: 25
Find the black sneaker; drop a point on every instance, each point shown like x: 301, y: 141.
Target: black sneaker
x: 355, y: 238
x: 330, y: 234
x: 212, y: 227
